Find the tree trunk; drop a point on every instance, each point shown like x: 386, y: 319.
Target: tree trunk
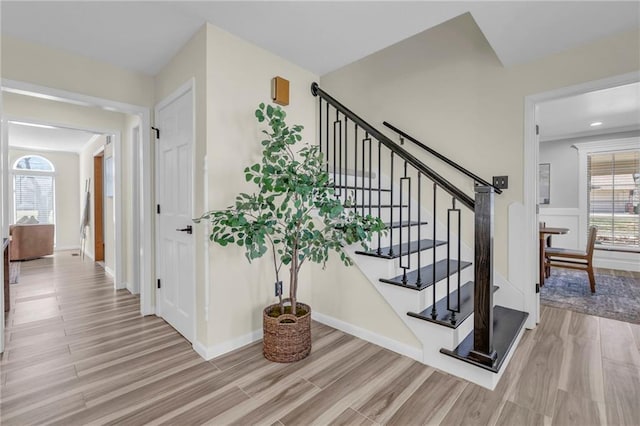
x: 293, y: 281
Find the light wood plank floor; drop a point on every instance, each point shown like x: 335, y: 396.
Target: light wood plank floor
x: 78, y: 353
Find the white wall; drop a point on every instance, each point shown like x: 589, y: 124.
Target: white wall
x: 447, y: 87
x: 67, y: 215
x: 564, y: 173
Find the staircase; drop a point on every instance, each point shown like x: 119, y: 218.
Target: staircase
x: 441, y: 288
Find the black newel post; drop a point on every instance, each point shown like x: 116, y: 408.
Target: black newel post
x: 483, y: 310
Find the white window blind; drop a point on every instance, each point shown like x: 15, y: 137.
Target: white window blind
x: 614, y: 197
x: 33, y: 189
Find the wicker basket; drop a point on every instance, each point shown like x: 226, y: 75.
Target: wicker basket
x: 286, y: 341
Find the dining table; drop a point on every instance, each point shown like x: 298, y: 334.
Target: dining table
x: 544, y: 232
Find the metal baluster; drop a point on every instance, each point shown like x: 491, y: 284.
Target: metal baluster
x: 408, y: 218
x: 355, y: 169
x: 434, y: 311
x: 459, y: 254
x: 456, y: 211
x: 404, y: 254
x: 379, y: 251
x: 370, y: 177
x: 366, y: 138
x: 327, y: 132
x: 320, y: 122
x: 335, y: 153
x: 419, y: 279
x: 391, y: 210
x: 346, y: 142
x: 340, y: 156
x: 404, y: 270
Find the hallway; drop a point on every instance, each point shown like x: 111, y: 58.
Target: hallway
x: 78, y: 352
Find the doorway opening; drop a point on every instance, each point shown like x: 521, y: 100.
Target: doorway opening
x: 534, y: 201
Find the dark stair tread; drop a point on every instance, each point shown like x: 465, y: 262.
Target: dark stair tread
x: 507, y: 323
x: 404, y: 224
x: 443, y: 315
x: 426, y: 275
x: 359, y: 188
x: 425, y: 244
x: 375, y: 207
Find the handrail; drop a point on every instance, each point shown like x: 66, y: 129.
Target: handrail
x: 409, y: 158
x: 441, y: 157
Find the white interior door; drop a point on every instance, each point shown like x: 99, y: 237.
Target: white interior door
x: 174, y: 188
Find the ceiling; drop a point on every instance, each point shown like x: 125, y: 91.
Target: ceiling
x: 47, y: 138
x: 319, y: 36
x: 617, y: 108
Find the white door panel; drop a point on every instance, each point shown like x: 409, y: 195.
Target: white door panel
x: 175, y: 269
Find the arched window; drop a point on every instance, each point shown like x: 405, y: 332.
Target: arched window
x: 33, y: 190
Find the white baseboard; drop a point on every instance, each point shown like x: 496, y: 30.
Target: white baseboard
x: 210, y: 352
x: 66, y: 248
x: 377, y: 339
x: 109, y: 272
x: 89, y: 255
x: 618, y: 264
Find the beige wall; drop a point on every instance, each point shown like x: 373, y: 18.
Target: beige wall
x: 238, y: 79
x: 67, y: 214
x: 447, y: 87
x: 190, y: 64
x: 44, y: 66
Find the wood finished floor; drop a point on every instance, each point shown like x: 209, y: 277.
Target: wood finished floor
x: 77, y: 352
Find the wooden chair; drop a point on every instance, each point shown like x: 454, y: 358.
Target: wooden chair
x: 575, y: 259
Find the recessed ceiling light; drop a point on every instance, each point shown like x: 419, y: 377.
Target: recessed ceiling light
x: 596, y: 124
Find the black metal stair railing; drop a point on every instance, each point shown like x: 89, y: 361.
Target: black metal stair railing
x: 404, y: 135
x: 405, y: 219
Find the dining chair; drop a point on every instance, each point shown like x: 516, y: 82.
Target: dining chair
x: 547, y: 269
x: 575, y: 259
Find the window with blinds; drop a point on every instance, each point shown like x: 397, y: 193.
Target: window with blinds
x: 614, y: 197
x: 33, y: 189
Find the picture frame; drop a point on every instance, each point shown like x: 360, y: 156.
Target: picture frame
x: 544, y: 183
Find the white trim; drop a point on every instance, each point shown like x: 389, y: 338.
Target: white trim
x: 66, y: 248
x: 559, y: 211
x: 530, y: 178
x: 210, y: 352
x: 4, y: 209
x: 618, y: 260
x: 377, y: 339
x: 108, y: 271
x: 136, y: 219
x: 89, y: 255
x: 145, y: 259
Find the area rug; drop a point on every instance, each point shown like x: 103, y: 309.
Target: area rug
x: 617, y: 296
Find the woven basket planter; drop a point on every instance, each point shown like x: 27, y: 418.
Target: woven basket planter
x: 287, y: 338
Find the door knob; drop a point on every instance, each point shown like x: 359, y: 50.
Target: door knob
x: 188, y: 229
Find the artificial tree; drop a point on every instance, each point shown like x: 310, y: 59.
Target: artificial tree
x: 295, y: 213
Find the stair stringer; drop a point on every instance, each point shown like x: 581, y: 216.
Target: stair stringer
x: 432, y: 337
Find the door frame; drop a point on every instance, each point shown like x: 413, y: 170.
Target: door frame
x: 136, y: 219
x: 531, y: 154
x: 98, y: 201
x: 145, y: 259
x: 187, y: 87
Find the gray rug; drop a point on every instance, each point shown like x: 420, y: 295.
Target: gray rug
x: 616, y: 296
